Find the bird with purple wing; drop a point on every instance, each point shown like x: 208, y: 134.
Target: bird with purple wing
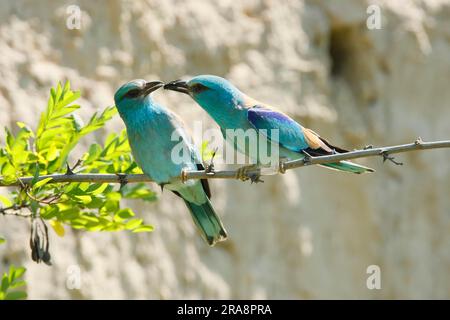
x: 232, y: 109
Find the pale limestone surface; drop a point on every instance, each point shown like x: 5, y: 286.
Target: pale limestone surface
x: 307, y: 234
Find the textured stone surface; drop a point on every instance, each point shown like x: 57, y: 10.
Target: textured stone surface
x: 307, y: 234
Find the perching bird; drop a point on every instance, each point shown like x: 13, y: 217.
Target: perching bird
x: 150, y: 127
x: 232, y: 109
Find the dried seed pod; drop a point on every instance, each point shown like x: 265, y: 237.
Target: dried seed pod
x: 39, y: 241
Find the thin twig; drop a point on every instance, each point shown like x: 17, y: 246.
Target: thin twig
x: 231, y: 174
x: 15, y: 210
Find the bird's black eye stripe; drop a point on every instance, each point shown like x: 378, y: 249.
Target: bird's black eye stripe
x: 132, y: 93
x: 197, y: 88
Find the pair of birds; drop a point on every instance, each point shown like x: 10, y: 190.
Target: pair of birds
x: 150, y: 126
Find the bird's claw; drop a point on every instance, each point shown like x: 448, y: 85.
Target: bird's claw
x: 241, y: 175
x: 209, y: 168
x: 418, y: 141
x: 307, y: 158
x: 184, y: 176
x: 282, y: 167
x: 122, y: 179
x: 255, y: 178
x: 244, y: 175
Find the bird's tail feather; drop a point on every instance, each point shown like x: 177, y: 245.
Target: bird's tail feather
x: 348, y: 166
x: 207, y: 221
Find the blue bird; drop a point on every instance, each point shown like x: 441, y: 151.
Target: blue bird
x: 150, y: 127
x: 232, y: 109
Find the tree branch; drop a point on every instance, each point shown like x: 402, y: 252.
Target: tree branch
x: 233, y: 174
x: 15, y: 210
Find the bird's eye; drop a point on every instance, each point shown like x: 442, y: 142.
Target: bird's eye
x: 133, y: 93
x: 197, y: 88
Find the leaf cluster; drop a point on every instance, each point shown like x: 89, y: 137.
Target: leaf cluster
x: 85, y: 206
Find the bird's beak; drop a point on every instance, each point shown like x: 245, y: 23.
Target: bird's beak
x: 177, y: 85
x: 152, y: 86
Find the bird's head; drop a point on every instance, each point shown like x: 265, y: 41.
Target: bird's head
x: 132, y: 93
x: 211, y: 92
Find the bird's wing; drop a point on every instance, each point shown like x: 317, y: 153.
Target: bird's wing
x: 291, y: 135
x: 319, y: 145
x: 178, y: 124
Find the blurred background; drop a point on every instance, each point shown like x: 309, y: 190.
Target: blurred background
x: 311, y: 233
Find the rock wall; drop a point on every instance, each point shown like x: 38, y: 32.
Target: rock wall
x: 307, y: 234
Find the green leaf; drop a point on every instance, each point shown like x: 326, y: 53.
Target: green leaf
x: 52, y: 152
x: 70, y: 214
x: 77, y: 123
x: 96, y: 203
x: 138, y: 191
x: 143, y: 228
x: 5, y: 283
x: 16, y: 273
x: 64, y: 111
x: 125, y: 213
x: 16, y: 284
x: 133, y: 224
x: 2, y: 240
x: 8, y: 170
x: 66, y: 86
x: 93, y: 153
x: 6, y: 202
x: 62, y: 122
x: 9, y: 139
x: 114, y: 196
x: 57, y: 227
x: 24, y: 126
x: 16, y: 295
x: 84, y: 186
x: 84, y: 199
x: 41, y: 183
x: 57, y: 93
x: 49, y: 212
x: 97, y: 122
x: 71, y: 97
x: 36, y: 174
x: 97, y: 188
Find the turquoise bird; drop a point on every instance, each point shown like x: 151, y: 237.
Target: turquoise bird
x: 232, y: 109
x: 150, y: 127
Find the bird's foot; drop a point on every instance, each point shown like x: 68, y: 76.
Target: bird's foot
x: 251, y: 172
x: 386, y: 156
x: 209, y: 168
x: 307, y: 158
x: 122, y: 179
x: 418, y: 141
x: 184, y: 176
x: 282, y: 167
